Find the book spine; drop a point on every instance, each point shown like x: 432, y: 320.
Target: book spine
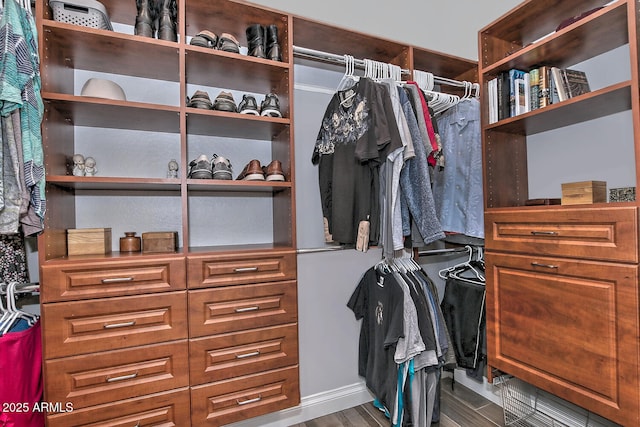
x: 534, y: 93
x: 544, y: 98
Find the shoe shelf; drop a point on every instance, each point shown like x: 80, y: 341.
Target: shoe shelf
x: 236, y: 125
x: 76, y: 47
x: 214, y: 185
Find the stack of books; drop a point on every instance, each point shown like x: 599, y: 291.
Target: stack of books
x: 516, y: 92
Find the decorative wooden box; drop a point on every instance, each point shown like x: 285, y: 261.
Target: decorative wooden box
x: 585, y: 192
x: 159, y: 241
x: 88, y: 241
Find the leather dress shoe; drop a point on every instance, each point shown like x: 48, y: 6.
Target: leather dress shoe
x: 273, y: 171
x: 252, y: 172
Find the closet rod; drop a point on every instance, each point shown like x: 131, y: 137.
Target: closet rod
x: 21, y: 287
x: 318, y: 55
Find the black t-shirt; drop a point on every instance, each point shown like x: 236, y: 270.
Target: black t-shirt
x: 379, y: 300
x: 358, y: 130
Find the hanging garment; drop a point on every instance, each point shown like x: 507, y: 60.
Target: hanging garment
x: 357, y: 132
x: 415, y: 185
x: 21, y: 378
x: 457, y: 188
x: 378, y: 301
x: 20, y: 90
x: 463, y: 307
x: 13, y: 259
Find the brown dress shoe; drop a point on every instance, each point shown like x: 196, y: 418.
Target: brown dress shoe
x: 252, y: 172
x: 273, y: 171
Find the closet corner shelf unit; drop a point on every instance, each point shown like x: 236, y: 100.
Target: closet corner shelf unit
x: 562, y: 281
x: 205, y: 336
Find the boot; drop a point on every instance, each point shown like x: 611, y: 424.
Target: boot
x: 273, y: 47
x: 256, y: 41
x: 167, y: 20
x: 146, y: 19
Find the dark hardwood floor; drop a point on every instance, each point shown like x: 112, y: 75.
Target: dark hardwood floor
x: 460, y: 407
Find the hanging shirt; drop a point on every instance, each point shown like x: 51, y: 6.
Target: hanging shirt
x: 378, y: 300
x: 358, y: 131
x: 457, y: 188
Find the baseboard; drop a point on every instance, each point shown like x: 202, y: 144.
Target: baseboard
x: 313, y: 406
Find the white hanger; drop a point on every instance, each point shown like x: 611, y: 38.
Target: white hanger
x: 349, y: 78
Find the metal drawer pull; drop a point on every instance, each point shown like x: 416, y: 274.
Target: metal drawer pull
x: 118, y: 280
x: 244, y: 356
x: 246, y: 402
x: 122, y: 378
x: 537, y: 264
x: 245, y: 269
x: 245, y: 309
x: 544, y: 233
x: 120, y: 325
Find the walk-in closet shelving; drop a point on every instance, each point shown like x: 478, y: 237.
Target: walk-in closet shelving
x: 562, y: 280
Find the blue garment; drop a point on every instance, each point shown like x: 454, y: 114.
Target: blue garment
x: 457, y: 188
x: 415, y: 184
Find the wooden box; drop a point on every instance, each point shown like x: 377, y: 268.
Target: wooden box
x: 159, y: 241
x: 88, y: 241
x: 585, y: 192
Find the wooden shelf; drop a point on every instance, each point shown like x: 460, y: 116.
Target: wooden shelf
x: 107, y: 113
x: 593, y: 105
x: 114, y: 183
x: 599, y: 33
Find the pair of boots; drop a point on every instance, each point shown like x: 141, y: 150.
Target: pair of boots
x: 263, y: 42
x: 159, y: 16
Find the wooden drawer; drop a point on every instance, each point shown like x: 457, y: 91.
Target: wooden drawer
x: 242, y: 353
x: 609, y: 234
x: 568, y: 327
x: 104, y: 377
x: 161, y: 409
x: 243, y: 268
x: 225, y: 402
x: 235, y: 308
x: 137, y: 275
x: 73, y: 328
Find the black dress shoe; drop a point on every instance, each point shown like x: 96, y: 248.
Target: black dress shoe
x: 256, y: 41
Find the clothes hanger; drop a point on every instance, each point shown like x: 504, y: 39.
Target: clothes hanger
x: 349, y: 78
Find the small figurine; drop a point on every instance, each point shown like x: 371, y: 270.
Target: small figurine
x: 173, y: 169
x: 90, y: 166
x: 78, y: 165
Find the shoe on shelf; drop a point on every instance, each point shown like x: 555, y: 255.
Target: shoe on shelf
x: 221, y: 167
x: 228, y: 43
x: 206, y: 39
x: 145, y: 24
x: 168, y: 20
x: 256, y: 41
x: 200, y: 99
x: 272, y: 45
x: 273, y: 171
x: 252, y: 172
x: 200, y: 168
x: 270, y: 106
x: 225, y: 102
x: 248, y: 105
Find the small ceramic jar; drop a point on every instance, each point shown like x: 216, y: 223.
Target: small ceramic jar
x: 130, y: 242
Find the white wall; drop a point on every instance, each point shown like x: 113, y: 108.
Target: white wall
x: 449, y: 26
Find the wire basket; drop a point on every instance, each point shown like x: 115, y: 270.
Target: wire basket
x: 87, y: 13
x: 520, y: 405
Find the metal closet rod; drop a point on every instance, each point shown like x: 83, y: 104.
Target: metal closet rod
x: 20, y: 287
x: 303, y: 52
